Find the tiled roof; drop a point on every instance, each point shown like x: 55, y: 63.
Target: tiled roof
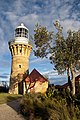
x: 61, y: 86
x: 77, y: 78
x: 66, y: 84
x: 35, y: 76
x: 58, y: 86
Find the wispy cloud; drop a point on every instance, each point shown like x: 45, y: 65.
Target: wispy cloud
x: 45, y: 12
x: 54, y: 78
x: 71, y: 24
x: 37, y: 60
x: 50, y: 72
x: 57, y: 80
x: 3, y: 76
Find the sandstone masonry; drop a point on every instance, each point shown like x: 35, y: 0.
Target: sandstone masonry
x: 20, y: 51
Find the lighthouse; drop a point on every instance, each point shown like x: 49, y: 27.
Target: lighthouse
x: 20, y: 49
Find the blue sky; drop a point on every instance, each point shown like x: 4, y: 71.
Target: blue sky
x: 30, y: 12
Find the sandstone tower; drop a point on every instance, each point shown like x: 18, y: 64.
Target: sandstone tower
x: 20, y: 51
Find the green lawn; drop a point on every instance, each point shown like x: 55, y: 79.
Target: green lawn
x: 6, y: 97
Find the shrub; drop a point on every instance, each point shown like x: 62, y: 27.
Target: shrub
x: 51, y: 92
x: 39, y: 107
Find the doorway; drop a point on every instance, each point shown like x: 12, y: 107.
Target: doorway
x: 20, y: 87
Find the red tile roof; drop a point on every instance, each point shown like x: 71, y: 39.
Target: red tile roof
x: 66, y: 84
x: 58, y: 86
x: 35, y: 76
x: 61, y: 86
x: 77, y: 78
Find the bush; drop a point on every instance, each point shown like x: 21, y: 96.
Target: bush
x: 51, y: 92
x: 4, y: 89
x: 40, y: 107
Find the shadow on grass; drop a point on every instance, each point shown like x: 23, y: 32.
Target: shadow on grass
x: 14, y: 105
x: 14, y: 102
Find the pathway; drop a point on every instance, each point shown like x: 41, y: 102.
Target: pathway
x: 9, y: 111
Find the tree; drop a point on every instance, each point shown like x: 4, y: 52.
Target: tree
x: 64, y: 52
x: 43, y: 40
x: 73, y: 54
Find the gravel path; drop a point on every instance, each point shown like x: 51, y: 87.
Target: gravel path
x: 9, y: 111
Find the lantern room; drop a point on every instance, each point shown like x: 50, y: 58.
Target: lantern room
x: 22, y: 31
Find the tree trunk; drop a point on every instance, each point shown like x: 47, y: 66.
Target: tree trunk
x: 69, y: 81
x: 73, y: 80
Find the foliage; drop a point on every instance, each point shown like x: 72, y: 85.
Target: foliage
x: 51, y: 92
x: 64, y: 52
x: 45, y: 107
x: 4, y: 89
x: 58, y: 51
x: 42, y: 39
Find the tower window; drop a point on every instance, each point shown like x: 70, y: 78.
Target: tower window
x: 19, y: 66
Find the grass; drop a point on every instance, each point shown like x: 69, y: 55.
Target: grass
x: 6, y: 97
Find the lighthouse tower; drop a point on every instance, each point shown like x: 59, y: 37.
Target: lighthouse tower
x: 20, y: 51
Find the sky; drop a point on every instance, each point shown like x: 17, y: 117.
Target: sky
x: 31, y: 12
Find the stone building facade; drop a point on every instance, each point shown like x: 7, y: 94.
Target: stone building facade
x: 36, y: 83
x: 20, y: 51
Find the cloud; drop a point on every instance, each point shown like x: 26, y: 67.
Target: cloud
x: 54, y: 78
x: 37, y: 60
x: 58, y: 80
x: 7, y: 74
x: 50, y: 72
x: 64, y: 11
x: 45, y: 12
x: 1, y: 76
x: 4, y: 76
x: 70, y: 24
